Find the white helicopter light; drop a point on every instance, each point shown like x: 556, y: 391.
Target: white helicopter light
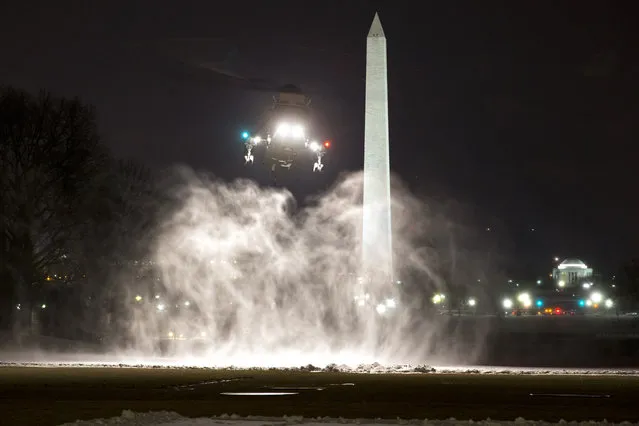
x: 314, y: 146
x: 283, y: 130
x: 257, y: 139
x: 298, y: 132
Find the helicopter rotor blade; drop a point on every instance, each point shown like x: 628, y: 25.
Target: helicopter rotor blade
x: 255, y: 84
x: 214, y: 67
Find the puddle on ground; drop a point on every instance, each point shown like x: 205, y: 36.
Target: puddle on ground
x: 570, y: 395
x: 281, y: 390
x: 294, y: 388
x: 192, y: 386
x: 258, y: 393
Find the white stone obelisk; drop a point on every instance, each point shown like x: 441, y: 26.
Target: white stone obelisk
x: 377, y: 247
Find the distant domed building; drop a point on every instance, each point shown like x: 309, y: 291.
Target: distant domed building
x: 571, y: 272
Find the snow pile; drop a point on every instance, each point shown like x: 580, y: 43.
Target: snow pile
x: 164, y: 418
x: 369, y: 368
x: 91, y: 364
x: 374, y: 368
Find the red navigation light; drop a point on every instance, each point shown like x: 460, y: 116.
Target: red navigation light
x: 327, y: 144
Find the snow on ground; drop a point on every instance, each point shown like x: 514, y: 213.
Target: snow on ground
x: 374, y: 368
x: 164, y: 418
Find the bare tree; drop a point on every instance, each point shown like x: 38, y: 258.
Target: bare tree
x: 120, y: 213
x: 101, y: 260
x: 50, y: 156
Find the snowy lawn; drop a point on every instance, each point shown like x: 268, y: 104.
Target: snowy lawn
x: 164, y: 418
x: 51, y: 396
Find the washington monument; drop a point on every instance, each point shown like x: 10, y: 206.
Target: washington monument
x: 377, y: 246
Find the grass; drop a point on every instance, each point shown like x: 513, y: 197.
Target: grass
x: 50, y: 396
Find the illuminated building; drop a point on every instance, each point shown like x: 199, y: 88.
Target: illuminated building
x: 571, y: 273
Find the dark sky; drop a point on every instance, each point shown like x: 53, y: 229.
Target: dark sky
x: 527, y: 111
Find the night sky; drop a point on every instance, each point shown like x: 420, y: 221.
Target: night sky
x: 526, y: 113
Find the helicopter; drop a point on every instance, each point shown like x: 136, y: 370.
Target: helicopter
x: 283, y: 132
x: 286, y: 128
x: 286, y: 131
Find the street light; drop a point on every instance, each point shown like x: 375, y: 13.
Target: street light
x: 596, y: 297
x: 438, y: 298
x: 524, y: 299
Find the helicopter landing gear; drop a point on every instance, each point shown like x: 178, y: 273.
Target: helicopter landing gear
x: 249, y: 158
x: 318, y: 166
